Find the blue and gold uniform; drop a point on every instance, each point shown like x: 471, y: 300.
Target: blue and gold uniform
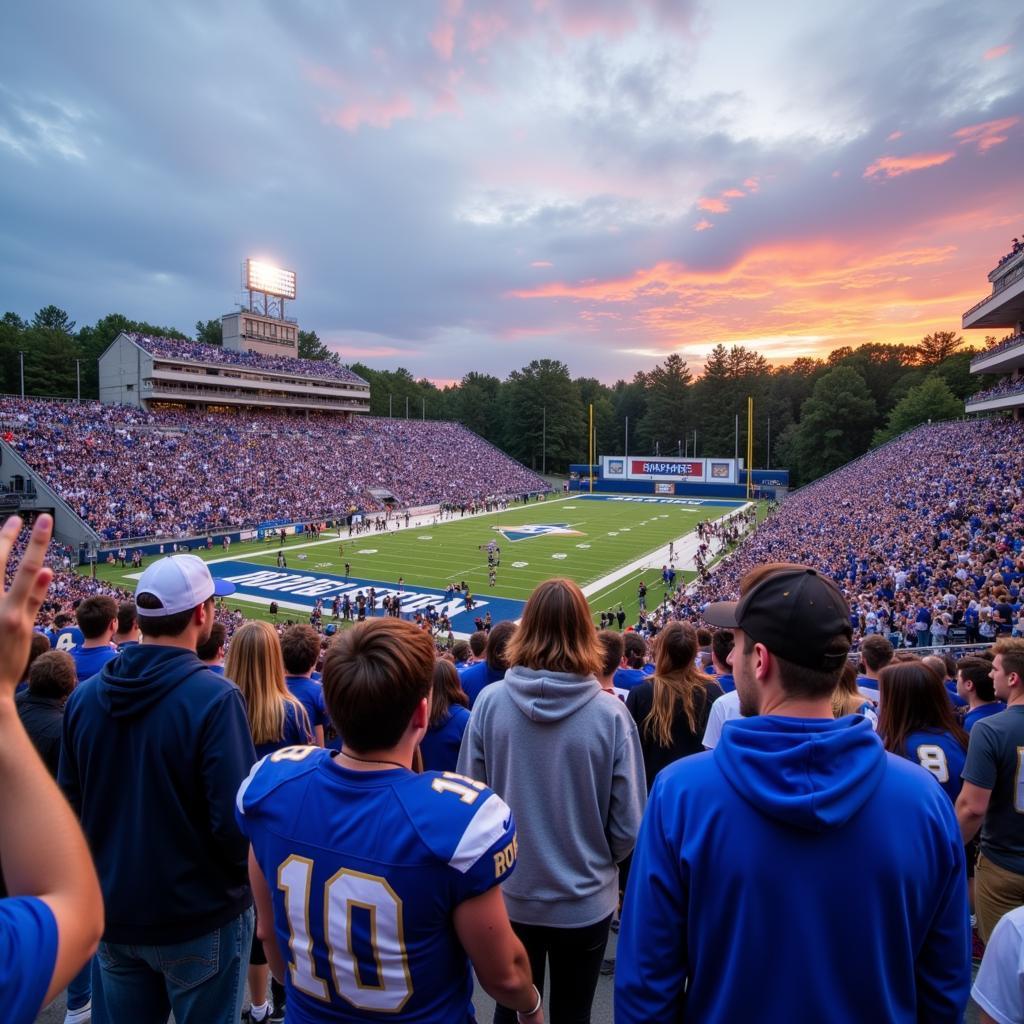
x: 365, y: 869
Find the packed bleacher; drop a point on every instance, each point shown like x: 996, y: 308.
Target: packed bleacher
x: 933, y: 520
x: 1008, y: 342
x: 132, y: 474
x: 1008, y: 386
x: 176, y: 348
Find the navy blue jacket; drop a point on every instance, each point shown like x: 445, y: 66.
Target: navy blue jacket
x: 154, y: 750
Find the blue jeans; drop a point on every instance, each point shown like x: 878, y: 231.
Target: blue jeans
x: 80, y: 987
x: 202, y: 980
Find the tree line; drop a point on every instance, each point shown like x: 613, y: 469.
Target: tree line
x: 810, y: 416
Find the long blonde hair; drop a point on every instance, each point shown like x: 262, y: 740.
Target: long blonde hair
x: 255, y: 665
x: 677, y: 682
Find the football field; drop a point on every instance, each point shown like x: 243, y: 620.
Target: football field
x: 593, y: 539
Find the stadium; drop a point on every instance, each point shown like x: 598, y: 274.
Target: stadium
x: 203, y: 450
x: 513, y: 513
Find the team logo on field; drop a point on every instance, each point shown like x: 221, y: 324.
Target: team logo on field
x: 514, y: 533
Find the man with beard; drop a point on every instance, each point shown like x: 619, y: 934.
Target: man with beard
x: 800, y: 834
x: 154, y: 749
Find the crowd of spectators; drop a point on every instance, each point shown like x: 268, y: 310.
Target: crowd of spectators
x: 1008, y: 342
x: 1007, y: 386
x: 928, y: 529
x: 194, y: 351
x: 133, y: 474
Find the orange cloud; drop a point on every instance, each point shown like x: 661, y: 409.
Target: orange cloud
x: 712, y: 205
x: 752, y: 184
x: 986, y: 134
x: 541, y: 263
x: 733, y: 193
x: 895, y: 166
x: 893, y: 136
x: 996, y: 52
x: 703, y: 224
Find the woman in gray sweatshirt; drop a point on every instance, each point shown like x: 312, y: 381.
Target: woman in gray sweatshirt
x: 566, y: 757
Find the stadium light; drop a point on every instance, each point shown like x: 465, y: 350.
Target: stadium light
x: 265, y: 277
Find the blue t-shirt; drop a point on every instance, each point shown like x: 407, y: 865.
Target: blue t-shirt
x: 310, y: 694
x: 378, y: 861
x: 627, y: 678
x: 89, y: 660
x: 939, y: 754
x: 982, y: 711
x: 440, y: 745
x: 28, y: 955
x: 726, y: 682
x: 295, y: 734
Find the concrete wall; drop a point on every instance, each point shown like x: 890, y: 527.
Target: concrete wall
x: 122, y: 368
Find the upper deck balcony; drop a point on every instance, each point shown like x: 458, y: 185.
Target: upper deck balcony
x: 1004, y: 307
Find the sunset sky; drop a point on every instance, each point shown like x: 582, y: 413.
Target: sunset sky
x: 467, y: 185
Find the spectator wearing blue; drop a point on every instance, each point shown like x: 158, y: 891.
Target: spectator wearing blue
x: 154, y: 749
x: 449, y: 716
x: 97, y: 619
x: 300, y: 648
x: 52, y: 918
x: 494, y: 665
x: 741, y: 847
x: 974, y: 686
x: 631, y: 672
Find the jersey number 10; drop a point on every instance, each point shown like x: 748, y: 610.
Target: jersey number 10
x: 374, y: 978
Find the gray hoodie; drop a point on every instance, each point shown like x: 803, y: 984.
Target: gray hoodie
x: 565, y: 756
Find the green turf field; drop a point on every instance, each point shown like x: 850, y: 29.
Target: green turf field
x: 606, y: 537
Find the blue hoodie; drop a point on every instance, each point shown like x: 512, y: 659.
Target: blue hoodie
x: 154, y: 749
x: 796, y: 872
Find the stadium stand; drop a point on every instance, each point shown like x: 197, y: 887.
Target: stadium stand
x: 194, y: 351
x: 934, y: 519
x: 131, y: 474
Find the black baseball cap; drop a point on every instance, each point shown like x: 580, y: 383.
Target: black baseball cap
x: 796, y: 613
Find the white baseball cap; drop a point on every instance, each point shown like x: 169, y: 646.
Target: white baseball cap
x: 181, y: 582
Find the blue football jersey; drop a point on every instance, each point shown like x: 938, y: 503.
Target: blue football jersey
x: 68, y: 637
x: 365, y: 869
x: 941, y: 755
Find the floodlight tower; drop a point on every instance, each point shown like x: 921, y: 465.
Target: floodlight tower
x: 261, y: 324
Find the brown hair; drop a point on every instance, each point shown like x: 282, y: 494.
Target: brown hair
x: 677, y: 682
x: 39, y: 646
x: 207, y: 650
x: 52, y: 675
x: 978, y: 672
x: 876, y: 652
x: 721, y: 645
x: 255, y: 666
x: 1011, y: 649
x: 375, y: 675
x: 556, y: 632
x: 497, y: 646
x: 446, y: 690
x: 634, y: 649
x: 913, y: 696
x: 126, y: 616
x: 478, y: 642
x: 611, y: 647
x: 300, y: 647
x: 95, y: 614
